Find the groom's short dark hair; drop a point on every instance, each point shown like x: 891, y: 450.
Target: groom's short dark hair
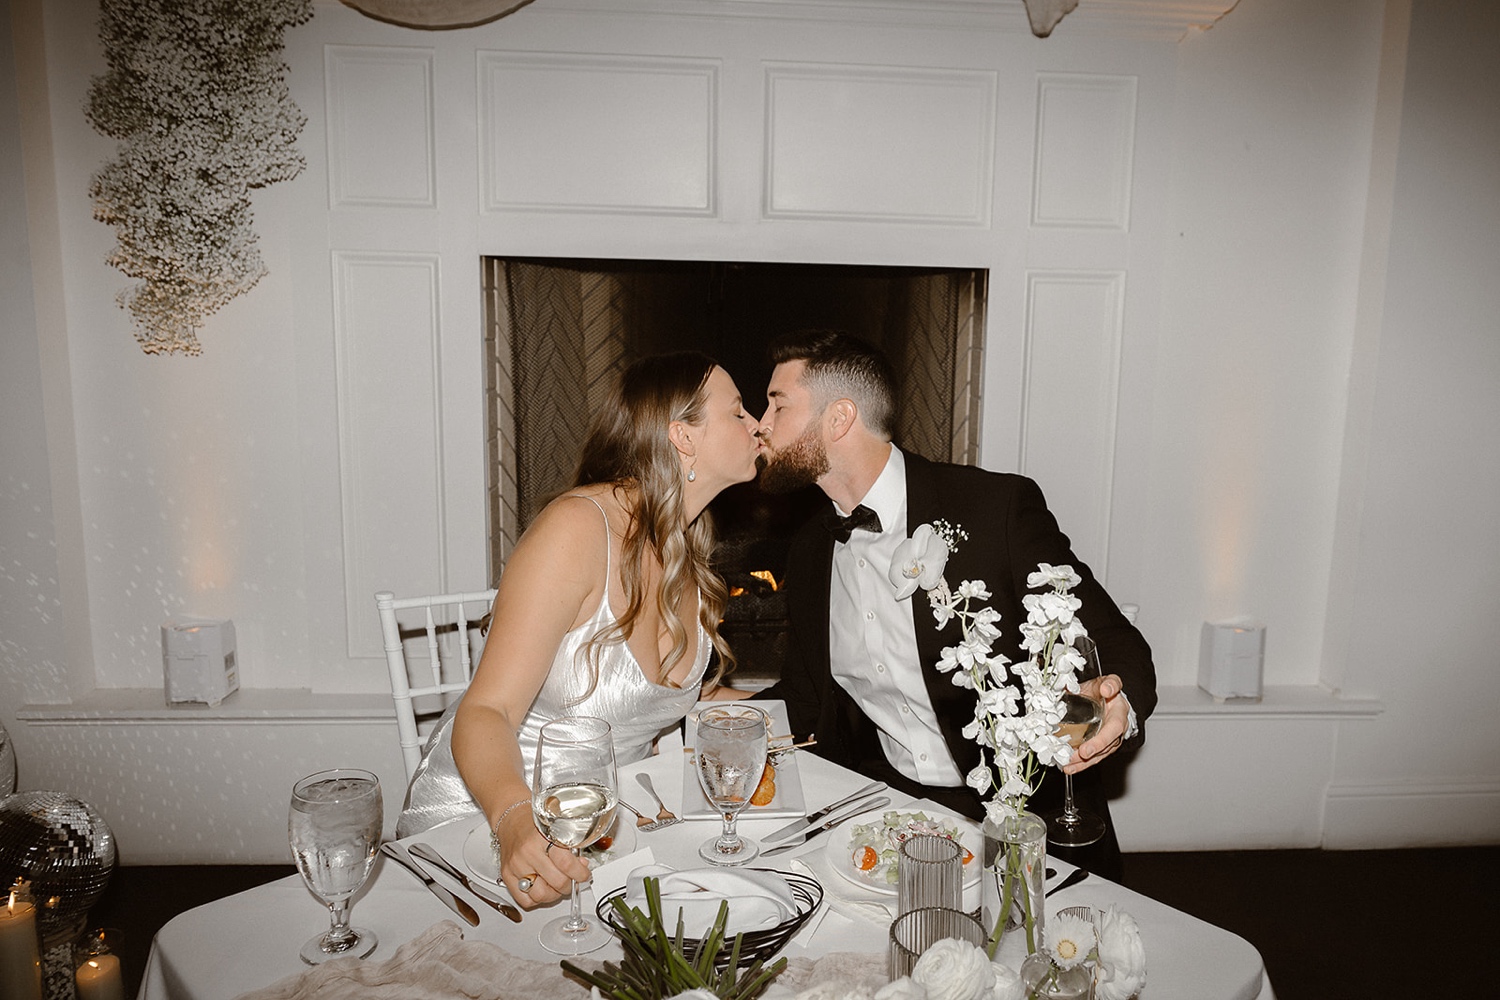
x: 841, y: 366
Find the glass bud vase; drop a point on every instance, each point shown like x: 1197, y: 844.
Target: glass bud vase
x: 1046, y: 981
x: 1015, y: 868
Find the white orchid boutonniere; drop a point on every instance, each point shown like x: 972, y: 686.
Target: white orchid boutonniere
x: 921, y: 559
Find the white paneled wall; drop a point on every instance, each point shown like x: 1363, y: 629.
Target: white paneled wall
x: 1070, y: 399
x: 562, y: 132
x: 382, y: 151
x: 879, y: 144
x: 386, y: 338
x: 1170, y: 229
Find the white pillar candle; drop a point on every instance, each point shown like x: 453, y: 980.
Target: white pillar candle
x: 20, y: 965
x: 98, y: 978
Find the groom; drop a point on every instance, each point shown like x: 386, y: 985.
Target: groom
x: 861, y: 676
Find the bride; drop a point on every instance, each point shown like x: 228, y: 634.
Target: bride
x: 608, y: 605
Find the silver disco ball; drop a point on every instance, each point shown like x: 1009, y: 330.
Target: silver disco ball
x: 63, y: 847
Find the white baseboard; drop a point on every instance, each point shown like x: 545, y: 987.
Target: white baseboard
x: 1428, y: 813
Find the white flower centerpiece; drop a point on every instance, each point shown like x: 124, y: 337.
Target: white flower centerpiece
x: 1017, y: 707
x: 955, y: 970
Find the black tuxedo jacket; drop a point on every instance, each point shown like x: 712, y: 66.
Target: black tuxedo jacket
x: 1010, y: 532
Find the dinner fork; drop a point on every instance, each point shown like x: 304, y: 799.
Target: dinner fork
x: 644, y: 823
x: 666, y: 817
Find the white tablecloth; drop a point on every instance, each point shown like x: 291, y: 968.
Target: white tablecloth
x: 250, y: 940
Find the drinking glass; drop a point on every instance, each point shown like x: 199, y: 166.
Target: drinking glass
x: 1082, y: 716
x: 929, y: 872
x: 573, y: 797
x: 334, y: 829
x: 731, y: 753
x: 913, y: 933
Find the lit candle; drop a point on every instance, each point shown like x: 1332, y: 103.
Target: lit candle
x: 98, y: 978
x: 20, y: 967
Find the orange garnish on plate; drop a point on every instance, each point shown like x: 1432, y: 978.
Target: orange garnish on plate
x: 865, y: 858
x: 766, y: 790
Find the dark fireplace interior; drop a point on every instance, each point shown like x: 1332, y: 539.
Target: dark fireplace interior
x: 558, y: 331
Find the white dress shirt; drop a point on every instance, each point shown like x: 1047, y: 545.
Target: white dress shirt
x: 872, y: 640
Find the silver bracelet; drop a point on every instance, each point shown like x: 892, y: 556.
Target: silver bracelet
x: 495, y: 830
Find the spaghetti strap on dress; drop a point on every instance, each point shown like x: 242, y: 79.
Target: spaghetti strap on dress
x: 637, y: 709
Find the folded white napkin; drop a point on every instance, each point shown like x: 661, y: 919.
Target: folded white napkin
x: 609, y: 877
x: 758, y: 900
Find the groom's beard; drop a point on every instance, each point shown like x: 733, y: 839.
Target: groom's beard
x: 799, y: 464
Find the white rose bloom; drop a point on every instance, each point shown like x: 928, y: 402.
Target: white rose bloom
x: 1121, y: 971
x: 953, y: 970
x: 901, y: 989
x: 1007, y: 984
x: 697, y: 995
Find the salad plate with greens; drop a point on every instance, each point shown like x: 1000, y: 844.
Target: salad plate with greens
x: 864, y: 849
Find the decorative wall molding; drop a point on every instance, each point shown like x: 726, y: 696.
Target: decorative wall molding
x: 879, y: 143
x: 382, y: 152
x: 548, y: 121
x: 387, y: 351
x: 1381, y: 814
x: 1073, y: 330
x: 1165, y: 19
x: 1085, y: 149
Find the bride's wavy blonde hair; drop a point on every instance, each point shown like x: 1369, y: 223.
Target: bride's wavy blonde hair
x: 627, y: 447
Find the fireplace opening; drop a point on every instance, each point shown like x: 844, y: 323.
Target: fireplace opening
x: 557, y: 332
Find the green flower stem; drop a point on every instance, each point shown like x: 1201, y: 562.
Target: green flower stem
x: 1013, y: 866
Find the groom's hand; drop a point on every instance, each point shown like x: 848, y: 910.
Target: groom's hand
x: 1112, y: 731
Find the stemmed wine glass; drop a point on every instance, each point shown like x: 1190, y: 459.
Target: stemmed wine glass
x: 1082, y: 716
x: 573, y: 797
x: 731, y: 753
x: 334, y: 829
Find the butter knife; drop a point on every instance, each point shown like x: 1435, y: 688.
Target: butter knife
x: 429, y: 854
x: 1078, y: 876
x: 811, y: 819
x: 394, y: 850
x: 818, y: 831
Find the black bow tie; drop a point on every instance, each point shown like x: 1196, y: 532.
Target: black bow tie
x: 861, y: 517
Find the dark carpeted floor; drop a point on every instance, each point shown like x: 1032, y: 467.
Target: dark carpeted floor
x: 1330, y: 924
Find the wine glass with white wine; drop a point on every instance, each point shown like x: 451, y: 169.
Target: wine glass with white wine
x: 730, y: 752
x: 334, y: 829
x: 573, y: 798
x: 1082, y: 717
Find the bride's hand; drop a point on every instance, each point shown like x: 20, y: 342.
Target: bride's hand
x: 535, y: 871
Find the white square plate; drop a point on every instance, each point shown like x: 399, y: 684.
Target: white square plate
x: 788, y: 802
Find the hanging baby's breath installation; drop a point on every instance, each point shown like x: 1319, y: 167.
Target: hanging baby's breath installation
x: 196, y: 94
